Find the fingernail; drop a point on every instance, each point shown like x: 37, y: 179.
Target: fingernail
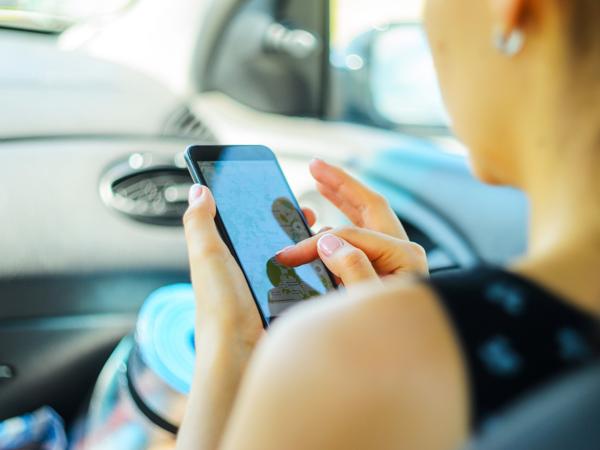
x: 329, y: 244
x: 283, y: 250
x: 196, y: 192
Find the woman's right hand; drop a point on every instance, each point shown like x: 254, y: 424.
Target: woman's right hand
x: 376, y: 245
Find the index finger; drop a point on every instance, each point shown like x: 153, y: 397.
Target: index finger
x: 338, y: 183
x: 363, y: 206
x: 386, y: 253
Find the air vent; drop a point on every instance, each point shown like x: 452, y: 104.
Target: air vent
x: 150, y: 193
x: 183, y: 123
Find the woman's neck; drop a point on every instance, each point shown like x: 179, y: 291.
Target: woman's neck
x: 564, y: 232
x: 571, y: 271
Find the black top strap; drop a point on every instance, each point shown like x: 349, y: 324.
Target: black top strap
x: 515, y: 335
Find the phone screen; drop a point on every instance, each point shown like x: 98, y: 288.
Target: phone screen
x: 261, y: 217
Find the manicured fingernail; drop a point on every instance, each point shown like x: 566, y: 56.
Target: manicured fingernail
x: 196, y: 192
x: 283, y: 250
x: 329, y: 244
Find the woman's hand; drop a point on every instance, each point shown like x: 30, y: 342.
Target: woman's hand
x: 228, y: 324
x: 376, y: 246
x: 224, y: 304
x: 225, y: 309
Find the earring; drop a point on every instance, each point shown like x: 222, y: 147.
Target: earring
x: 509, y: 44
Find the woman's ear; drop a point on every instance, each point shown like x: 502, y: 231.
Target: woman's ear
x: 508, y: 15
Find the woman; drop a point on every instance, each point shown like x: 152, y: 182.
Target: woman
x: 399, y: 362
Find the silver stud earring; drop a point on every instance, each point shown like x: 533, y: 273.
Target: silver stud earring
x: 509, y: 44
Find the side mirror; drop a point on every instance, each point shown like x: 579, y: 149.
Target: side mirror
x: 389, y: 77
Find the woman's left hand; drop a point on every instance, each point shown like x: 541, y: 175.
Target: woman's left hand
x: 228, y: 324
x: 225, y: 309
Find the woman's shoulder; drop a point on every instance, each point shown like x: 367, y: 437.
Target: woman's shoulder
x: 414, y: 344
x: 378, y: 355
x: 372, y: 313
x: 399, y: 309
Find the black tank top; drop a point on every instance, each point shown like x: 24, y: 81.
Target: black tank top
x: 515, y: 335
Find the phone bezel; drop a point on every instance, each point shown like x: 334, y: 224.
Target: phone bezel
x: 213, y: 153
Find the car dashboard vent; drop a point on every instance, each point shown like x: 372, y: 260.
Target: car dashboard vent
x: 183, y: 123
x: 150, y: 193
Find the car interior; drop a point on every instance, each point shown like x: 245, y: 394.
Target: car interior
x: 99, y: 100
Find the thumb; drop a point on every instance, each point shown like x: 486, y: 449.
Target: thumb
x: 344, y: 260
x: 200, y: 230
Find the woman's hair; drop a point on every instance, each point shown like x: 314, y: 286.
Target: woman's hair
x: 585, y: 27
x: 584, y: 33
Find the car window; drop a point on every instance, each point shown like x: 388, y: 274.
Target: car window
x: 384, y: 70
x: 54, y: 15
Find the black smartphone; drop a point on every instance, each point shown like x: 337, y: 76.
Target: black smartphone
x: 258, y: 215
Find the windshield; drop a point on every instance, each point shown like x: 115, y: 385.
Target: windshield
x: 54, y: 15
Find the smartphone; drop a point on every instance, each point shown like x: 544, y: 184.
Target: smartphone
x: 258, y: 215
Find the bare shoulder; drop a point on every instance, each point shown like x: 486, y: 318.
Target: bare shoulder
x: 379, y: 362
x: 376, y: 324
